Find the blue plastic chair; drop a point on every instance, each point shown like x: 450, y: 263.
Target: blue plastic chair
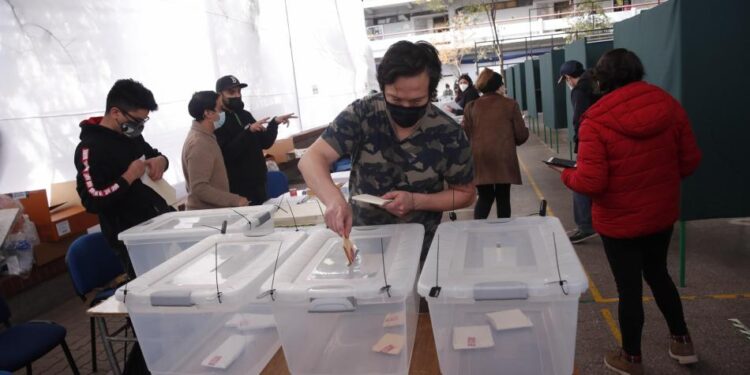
x: 22, y: 344
x: 276, y: 183
x: 92, y: 265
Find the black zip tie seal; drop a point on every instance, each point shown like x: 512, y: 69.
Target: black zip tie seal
x: 272, y: 292
x: 387, y: 287
x: 435, y: 290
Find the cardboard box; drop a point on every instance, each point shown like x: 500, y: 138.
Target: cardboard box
x: 64, y: 218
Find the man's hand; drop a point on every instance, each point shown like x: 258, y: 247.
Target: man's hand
x: 402, y: 202
x: 136, y: 169
x: 339, y: 217
x: 156, y: 167
x: 243, y: 202
x: 258, y: 126
x: 284, y: 119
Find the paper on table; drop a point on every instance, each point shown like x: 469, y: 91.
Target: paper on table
x: 161, y: 187
x: 390, y: 343
x: 472, y: 337
x: 509, y: 319
x: 226, y: 353
x: 371, y: 199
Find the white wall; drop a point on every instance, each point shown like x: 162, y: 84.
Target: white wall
x: 59, y: 58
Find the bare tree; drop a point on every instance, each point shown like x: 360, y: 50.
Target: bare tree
x: 587, y: 17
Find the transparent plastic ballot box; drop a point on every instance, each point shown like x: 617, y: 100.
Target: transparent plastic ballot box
x: 495, y: 296
x: 198, y: 312
x: 338, y: 319
x: 156, y: 240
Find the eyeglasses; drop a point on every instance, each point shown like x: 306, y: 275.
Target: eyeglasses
x: 135, y: 119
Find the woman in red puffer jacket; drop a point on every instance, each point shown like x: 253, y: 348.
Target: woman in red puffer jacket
x: 635, y: 146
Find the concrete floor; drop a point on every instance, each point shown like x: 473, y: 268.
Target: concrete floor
x: 718, y: 289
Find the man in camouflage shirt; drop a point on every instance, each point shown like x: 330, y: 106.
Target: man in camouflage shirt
x: 403, y: 149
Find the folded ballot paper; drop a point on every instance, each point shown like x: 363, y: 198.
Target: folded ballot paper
x: 509, y: 319
x: 251, y: 322
x: 390, y: 343
x: 394, y: 319
x: 472, y: 337
x: 371, y: 199
x: 227, y: 352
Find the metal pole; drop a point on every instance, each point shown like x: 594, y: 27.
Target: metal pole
x: 682, y: 253
x: 294, y: 69
x: 570, y: 148
x: 557, y: 140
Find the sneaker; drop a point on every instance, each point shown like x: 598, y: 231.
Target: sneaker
x: 623, y: 363
x: 579, y: 236
x: 681, y: 349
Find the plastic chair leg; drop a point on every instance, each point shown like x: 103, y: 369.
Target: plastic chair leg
x: 93, y: 344
x: 69, y: 357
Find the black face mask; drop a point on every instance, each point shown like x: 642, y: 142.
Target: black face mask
x: 406, y: 117
x: 132, y: 129
x: 234, y: 104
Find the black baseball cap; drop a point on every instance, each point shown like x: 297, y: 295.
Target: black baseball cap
x: 227, y: 82
x: 572, y: 68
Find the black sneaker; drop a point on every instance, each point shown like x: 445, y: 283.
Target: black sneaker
x: 579, y: 236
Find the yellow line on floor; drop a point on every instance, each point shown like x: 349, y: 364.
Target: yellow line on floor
x: 612, y: 325
x: 535, y: 186
x: 594, y: 290
x: 723, y: 296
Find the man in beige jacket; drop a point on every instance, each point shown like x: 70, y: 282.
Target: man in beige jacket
x: 202, y: 163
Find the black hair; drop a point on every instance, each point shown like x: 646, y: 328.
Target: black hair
x: 201, y: 102
x: 407, y: 59
x: 130, y: 95
x: 617, y: 68
x: 489, y: 81
x: 467, y: 78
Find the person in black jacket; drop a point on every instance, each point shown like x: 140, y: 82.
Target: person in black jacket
x: 582, y: 96
x: 242, y: 140
x: 110, y: 160
x: 467, y: 95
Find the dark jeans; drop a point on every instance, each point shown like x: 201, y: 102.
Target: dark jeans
x: 499, y: 193
x: 582, y: 212
x: 629, y: 259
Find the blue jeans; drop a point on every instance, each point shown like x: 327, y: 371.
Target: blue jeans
x: 582, y: 212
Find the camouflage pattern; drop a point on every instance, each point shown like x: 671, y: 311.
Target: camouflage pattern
x: 437, y: 152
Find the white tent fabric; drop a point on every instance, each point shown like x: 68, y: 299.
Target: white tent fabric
x: 59, y: 58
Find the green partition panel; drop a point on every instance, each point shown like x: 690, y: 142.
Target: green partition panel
x: 587, y: 54
x: 704, y: 68
x: 520, y: 86
x: 533, y: 88
x: 509, y: 80
x: 553, y: 95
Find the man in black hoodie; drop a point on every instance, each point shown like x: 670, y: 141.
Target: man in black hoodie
x: 110, y: 160
x: 582, y: 95
x: 242, y: 140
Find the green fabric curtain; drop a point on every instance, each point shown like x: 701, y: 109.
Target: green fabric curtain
x: 509, y: 80
x: 533, y: 88
x: 519, y: 76
x: 553, y: 95
x: 698, y: 52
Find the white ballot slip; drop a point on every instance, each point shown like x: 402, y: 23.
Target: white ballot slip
x: 390, y: 343
x: 371, y: 199
x: 226, y: 353
x: 472, y: 337
x: 509, y: 319
x: 394, y: 319
x: 161, y: 187
x: 250, y: 322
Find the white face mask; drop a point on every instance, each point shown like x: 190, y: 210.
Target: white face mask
x: 218, y: 123
x: 463, y: 86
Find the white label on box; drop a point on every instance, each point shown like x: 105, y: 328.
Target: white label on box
x: 390, y: 343
x: 63, y: 228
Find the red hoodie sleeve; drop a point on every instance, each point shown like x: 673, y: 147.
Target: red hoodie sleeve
x: 689, y: 153
x: 591, y: 172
